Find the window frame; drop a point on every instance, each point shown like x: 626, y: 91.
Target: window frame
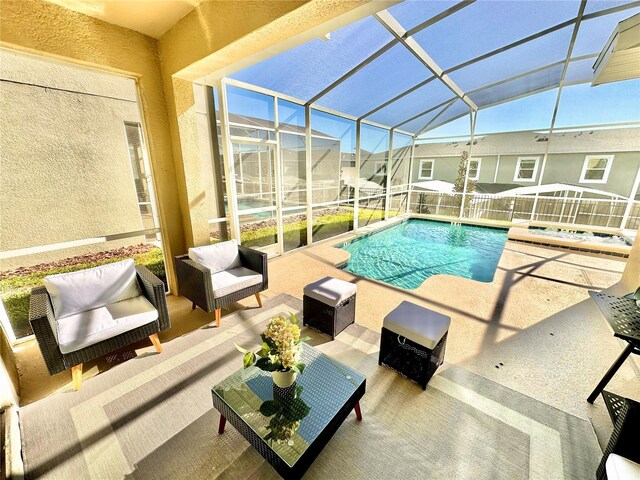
x: 380, y: 172
x: 422, y: 161
x: 533, y: 178
x: 479, y: 160
x: 607, y: 168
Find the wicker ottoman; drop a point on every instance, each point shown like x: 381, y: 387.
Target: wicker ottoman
x: 413, y: 341
x: 329, y: 305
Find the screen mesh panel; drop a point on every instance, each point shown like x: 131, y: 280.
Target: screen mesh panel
x: 306, y: 70
x: 608, y: 103
x: 411, y: 13
x: 598, y: 5
x: 454, y: 111
x: 420, y: 100
x: 389, y: 75
x: 487, y: 25
x: 509, y: 116
x: 535, y: 54
x: 549, y: 77
x: 419, y: 123
x: 580, y: 70
x: 594, y: 33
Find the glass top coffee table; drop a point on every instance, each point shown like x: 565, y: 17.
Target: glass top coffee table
x: 289, y: 427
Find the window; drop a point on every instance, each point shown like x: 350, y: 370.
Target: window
x: 426, y: 170
x: 474, y: 168
x: 596, y: 168
x: 526, y: 169
x: 380, y: 168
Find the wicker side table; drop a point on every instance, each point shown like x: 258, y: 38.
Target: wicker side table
x: 329, y: 305
x: 413, y: 341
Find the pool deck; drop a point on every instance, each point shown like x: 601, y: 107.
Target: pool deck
x: 533, y: 329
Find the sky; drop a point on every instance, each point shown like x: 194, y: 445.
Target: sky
x: 305, y: 71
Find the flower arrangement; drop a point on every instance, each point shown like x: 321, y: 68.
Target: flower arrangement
x: 281, y: 349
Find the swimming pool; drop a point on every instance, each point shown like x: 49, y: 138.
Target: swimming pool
x: 406, y: 254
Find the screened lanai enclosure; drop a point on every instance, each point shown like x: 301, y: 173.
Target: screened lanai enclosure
x: 431, y: 107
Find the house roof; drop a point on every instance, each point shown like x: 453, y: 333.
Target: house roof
x: 535, y: 142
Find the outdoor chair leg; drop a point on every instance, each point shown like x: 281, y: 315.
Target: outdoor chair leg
x: 223, y: 422
x: 76, y: 376
x: 156, y: 342
x: 193, y: 305
x: 259, y: 299
x: 218, y: 314
x: 610, y: 373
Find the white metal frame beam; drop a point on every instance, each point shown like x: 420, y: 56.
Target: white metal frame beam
x: 393, y: 26
x: 574, y: 35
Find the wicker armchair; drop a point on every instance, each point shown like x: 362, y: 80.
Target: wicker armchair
x: 41, y: 317
x: 195, y: 282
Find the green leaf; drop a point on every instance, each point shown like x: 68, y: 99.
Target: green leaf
x: 266, y: 365
x: 268, y: 341
x: 294, y: 319
x: 240, y: 348
x: 304, y: 339
x: 300, y: 367
x: 270, y: 407
x: 298, y: 410
x: 249, y: 359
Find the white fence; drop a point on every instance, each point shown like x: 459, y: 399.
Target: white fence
x: 568, y: 210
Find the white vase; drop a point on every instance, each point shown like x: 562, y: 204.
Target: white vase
x: 284, y: 379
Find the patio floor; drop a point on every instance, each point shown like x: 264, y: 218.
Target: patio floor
x: 533, y: 329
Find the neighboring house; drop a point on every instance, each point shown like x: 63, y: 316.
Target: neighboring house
x: 603, y: 159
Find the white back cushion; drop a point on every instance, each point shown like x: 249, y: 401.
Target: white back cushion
x: 77, y: 292
x: 218, y: 257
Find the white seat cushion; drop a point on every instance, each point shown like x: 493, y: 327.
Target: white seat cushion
x: 217, y: 257
x: 620, y: 468
x: 93, y: 326
x: 232, y: 280
x: 330, y: 291
x: 75, y: 292
x: 420, y: 325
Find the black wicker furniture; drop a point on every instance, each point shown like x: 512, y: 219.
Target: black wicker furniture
x: 290, y: 426
x: 625, y: 439
x: 413, y: 341
x: 215, y: 276
x: 329, y: 305
x: 623, y: 315
x: 67, y: 339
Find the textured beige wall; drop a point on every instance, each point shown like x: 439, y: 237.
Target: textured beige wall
x: 66, y: 172
x: 49, y: 30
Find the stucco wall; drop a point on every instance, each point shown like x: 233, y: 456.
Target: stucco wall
x: 49, y: 30
x: 66, y: 172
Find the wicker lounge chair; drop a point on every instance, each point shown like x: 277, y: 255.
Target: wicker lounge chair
x: 82, y: 336
x: 215, y: 276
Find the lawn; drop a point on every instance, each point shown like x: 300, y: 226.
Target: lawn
x: 15, y: 287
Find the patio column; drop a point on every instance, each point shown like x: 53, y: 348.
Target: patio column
x: 632, y: 196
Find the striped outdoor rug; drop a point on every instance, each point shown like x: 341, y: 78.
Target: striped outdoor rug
x: 152, y: 418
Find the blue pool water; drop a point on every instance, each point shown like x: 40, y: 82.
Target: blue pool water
x: 405, y: 255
